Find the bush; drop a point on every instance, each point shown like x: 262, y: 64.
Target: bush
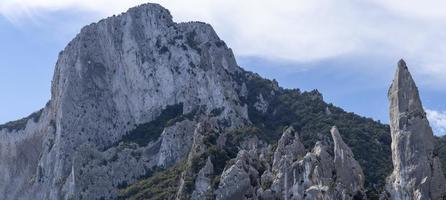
x: 21, y: 123
x: 162, y: 185
x: 306, y: 112
x: 147, y: 132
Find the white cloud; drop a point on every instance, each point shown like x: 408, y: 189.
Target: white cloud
x: 299, y: 30
x: 437, y: 120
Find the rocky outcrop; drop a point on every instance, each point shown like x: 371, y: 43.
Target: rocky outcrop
x: 239, y: 180
x: 416, y: 173
x: 349, y: 173
x: 288, y: 145
x: 295, y: 175
x: 203, y: 182
x: 137, y: 96
x: 112, y: 77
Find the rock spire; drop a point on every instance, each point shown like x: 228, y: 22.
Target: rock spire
x: 416, y: 173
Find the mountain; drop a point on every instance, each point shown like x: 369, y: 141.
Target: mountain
x: 145, y: 108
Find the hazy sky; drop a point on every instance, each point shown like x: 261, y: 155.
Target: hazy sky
x: 347, y: 49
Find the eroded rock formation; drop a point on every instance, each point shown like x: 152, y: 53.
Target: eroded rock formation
x: 321, y: 174
x: 113, y: 77
x: 146, y: 108
x: 417, y: 173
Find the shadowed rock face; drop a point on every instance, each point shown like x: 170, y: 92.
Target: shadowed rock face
x: 417, y: 172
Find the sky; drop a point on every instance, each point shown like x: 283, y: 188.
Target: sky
x: 347, y: 49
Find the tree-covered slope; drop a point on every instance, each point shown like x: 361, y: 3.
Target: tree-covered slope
x: 312, y: 118
x: 272, y: 108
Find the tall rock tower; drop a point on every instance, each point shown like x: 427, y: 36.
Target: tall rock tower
x: 417, y: 173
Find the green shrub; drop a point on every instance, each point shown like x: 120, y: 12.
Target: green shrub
x: 161, y: 185
x: 147, y: 132
x: 306, y: 112
x: 21, y: 123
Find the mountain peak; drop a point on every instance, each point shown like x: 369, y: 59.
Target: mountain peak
x: 402, y: 63
x: 403, y: 93
x: 412, y: 145
x: 152, y: 9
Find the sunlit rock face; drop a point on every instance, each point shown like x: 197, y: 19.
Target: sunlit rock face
x: 324, y: 173
x: 113, y: 76
x: 138, y: 96
x: 417, y: 172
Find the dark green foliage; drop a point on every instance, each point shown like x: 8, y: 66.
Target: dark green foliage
x: 440, y: 151
x: 215, y: 182
x: 220, y: 43
x: 189, y: 116
x: 164, y: 50
x: 21, y: 123
x: 219, y: 158
x: 307, y: 113
x: 145, y: 133
x: 217, y: 111
x: 267, y: 184
x: 198, y: 162
x: 191, y: 42
x: 161, y: 185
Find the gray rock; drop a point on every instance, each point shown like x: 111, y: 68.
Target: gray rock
x: 288, y: 145
x: 123, y: 72
x: 203, y: 182
x: 261, y: 105
x: 235, y: 182
x: 116, y: 74
x: 294, y: 174
x: 349, y: 175
x: 417, y: 172
x: 176, y: 142
x: 320, y: 176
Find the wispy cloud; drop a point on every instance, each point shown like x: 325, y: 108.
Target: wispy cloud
x: 437, y: 120
x: 300, y: 30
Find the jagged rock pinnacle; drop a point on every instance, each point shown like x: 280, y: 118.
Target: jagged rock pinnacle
x: 403, y: 93
x: 348, y: 170
x: 416, y: 172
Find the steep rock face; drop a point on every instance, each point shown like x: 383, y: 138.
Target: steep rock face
x: 203, y: 182
x: 348, y: 172
x: 20, y: 151
x: 115, y: 75
x: 139, y: 100
x: 417, y: 173
x: 237, y: 181
x: 288, y: 145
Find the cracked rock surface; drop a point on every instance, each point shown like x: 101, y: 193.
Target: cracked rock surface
x: 417, y: 172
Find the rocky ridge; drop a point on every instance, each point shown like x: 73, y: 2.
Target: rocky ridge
x: 146, y: 108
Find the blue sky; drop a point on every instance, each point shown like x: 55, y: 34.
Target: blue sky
x: 346, y: 49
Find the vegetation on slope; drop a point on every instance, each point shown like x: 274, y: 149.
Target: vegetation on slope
x: 308, y: 114
x: 147, y: 132
x: 440, y: 150
x: 161, y: 185
x: 313, y: 118
x: 21, y: 123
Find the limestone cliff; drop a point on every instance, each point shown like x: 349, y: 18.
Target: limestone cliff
x: 115, y: 76
x: 417, y: 173
x: 146, y: 108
